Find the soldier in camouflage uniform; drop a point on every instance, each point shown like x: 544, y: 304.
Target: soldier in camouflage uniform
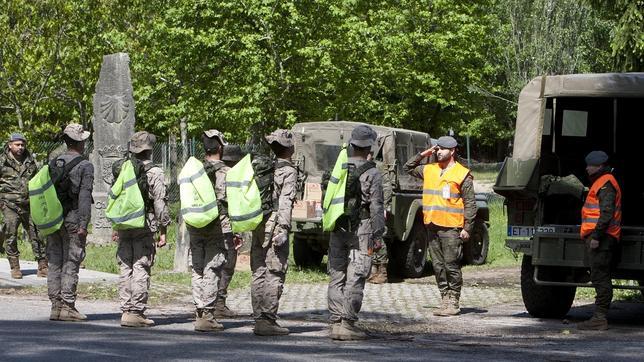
x: 209, y: 244
x: 17, y: 167
x: 353, y: 241
x: 232, y: 154
x: 446, y: 243
x: 66, y: 247
x: 270, y: 246
x: 137, y: 247
x: 602, y: 235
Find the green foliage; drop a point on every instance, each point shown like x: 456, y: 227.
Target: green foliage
x: 627, y: 37
x: 246, y: 67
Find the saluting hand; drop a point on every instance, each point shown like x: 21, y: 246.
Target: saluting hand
x: 429, y: 151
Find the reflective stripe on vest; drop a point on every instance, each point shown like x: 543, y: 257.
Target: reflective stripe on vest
x: 333, y: 205
x: 44, y: 206
x: 245, y: 206
x: 590, y: 212
x: 125, y: 206
x: 442, y: 201
x: 197, y: 195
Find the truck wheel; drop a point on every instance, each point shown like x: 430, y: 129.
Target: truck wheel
x: 304, y: 255
x: 544, y: 301
x: 475, y: 250
x: 414, y: 252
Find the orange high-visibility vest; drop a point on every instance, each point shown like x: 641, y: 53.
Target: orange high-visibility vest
x: 590, y: 211
x: 442, y: 200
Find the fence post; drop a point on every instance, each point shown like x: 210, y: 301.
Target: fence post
x: 182, y: 251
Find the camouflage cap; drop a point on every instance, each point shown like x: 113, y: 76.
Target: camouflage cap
x: 17, y: 137
x: 596, y: 158
x: 446, y: 142
x: 75, y: 131
x: 214, y: 133
x: 363, y: 136
x: 233, y: 153
x: 282, y: 136
x: 142, y: 141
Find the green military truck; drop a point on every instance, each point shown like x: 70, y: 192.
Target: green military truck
x: 560, y: 119
x: 317, y: 145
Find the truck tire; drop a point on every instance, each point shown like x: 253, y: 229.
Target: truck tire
x: 543, y: 301
x: 475, y: 250
x: 414, y: 251
x: 304, y: 255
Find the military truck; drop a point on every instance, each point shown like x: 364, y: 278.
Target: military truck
x: 560, y: 119
x: 317, y: 145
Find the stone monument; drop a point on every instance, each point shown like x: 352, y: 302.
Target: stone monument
x: 113, y: 127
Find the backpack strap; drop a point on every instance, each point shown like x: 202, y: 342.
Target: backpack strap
x: 66, y: 166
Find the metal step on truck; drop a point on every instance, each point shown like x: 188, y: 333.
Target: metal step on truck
x: 317, y: 145
x: 560, y: 119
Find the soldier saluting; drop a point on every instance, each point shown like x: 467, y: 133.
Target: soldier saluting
x: 449, y: 208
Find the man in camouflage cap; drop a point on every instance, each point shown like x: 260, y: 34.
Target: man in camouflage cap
x: 137, y: 247
x: 270, y: 247
x: 232, y: 154
x: 449, y: 209
x: 66, y: 247
x: 17, y: 167
x: 355, y: 238
x: 378, y: 273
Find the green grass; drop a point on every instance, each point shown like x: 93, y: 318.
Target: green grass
x: 498, y: 254
x: 485, y: 175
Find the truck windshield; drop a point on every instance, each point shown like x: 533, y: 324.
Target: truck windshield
x: 325, y: 156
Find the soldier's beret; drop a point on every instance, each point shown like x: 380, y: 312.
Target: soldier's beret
x: 596, y: 158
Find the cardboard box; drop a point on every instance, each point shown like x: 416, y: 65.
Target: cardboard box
x: 313, y: 191
x: 303, y: 209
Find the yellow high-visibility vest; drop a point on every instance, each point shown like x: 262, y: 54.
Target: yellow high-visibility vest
x: 197, y: 195
x: 442, y: 200
x: 125, y: 206
x: 244, y: 199
x: 333, y: 205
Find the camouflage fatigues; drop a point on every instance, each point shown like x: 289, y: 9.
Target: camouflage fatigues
x: 445, y: 244
x: 269, y: 261
x: 65, y: 248
x: 602, y: 258
x: 136, y: 249
x: 349, y: 251
x: 14, y: 202
x: 208, y: 246
x: 381, y: 256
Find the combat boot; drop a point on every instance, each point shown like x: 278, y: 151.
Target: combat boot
x: 453, y: 307
x: 347, y: 331
x: 56, y: 306
x: 135, y: 320
x: 440, y: 310
x: 42, y: 268
x: 14, y: 263
x: 266, y: 327
x: 205, y: 321
x: 597, y: 322
x: 222, y: 310
x: 373, y: 273
x: 381, y: 274
x: 69, y: 313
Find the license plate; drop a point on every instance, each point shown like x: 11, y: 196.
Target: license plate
x: 528, y: 231
x: 520, y: 231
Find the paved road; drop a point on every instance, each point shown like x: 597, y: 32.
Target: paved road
x: 497, y: 332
